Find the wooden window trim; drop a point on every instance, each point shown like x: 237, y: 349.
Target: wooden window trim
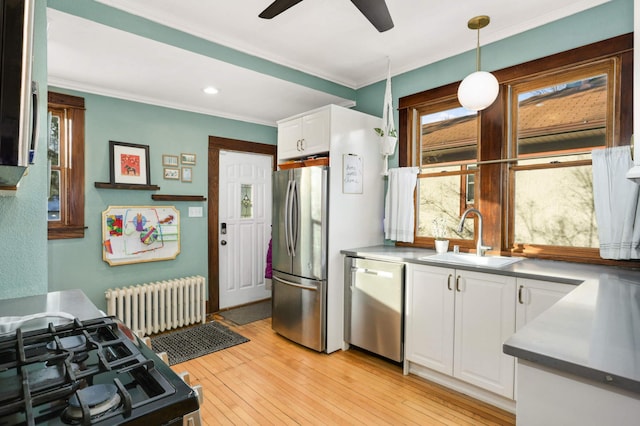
x: 72, y: 225
x: 492, y: 194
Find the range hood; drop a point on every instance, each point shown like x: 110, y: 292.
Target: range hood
x: 18, y: 94
x: 634, y: 172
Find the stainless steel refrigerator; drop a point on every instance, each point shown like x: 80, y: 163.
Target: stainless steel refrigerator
x: 299, y: 255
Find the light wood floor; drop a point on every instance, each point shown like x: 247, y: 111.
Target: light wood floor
x: 273, y: 381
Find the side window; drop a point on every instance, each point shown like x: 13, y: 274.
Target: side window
x: 447, y: 153
x: 558, y: 119
x: 65, y: 155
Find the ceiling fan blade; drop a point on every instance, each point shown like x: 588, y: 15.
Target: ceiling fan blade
x: 277, y: 7
x: 376, y: 12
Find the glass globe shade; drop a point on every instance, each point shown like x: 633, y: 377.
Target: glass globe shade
x: 478, y: 90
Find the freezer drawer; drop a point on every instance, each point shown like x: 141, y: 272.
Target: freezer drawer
x: 374, y: 306
x: 299, y: 310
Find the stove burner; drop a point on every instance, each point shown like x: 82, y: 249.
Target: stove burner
x: 69, y: 343
x: 76, y: 344
x: 99, y: 398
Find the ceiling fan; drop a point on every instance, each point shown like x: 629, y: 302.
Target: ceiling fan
x: 375, y: 11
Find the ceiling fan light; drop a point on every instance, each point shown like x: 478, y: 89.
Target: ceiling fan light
x: 478, y: 90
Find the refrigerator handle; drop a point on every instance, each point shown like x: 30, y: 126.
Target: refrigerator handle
x: 294, y: 218
x: 292, y: 284
x: 287, y: 217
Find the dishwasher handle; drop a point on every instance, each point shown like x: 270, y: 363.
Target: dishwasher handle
x: 384, y: 274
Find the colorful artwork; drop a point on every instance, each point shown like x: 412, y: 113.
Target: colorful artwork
x: 114, y: 225
x: 130, y: 164
x: 140, y: 234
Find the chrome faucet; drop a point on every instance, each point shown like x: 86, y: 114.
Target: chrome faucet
x: 480, y: 249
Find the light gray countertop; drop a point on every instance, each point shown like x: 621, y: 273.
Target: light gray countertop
x: 593, y: 332
x: 72, y: 302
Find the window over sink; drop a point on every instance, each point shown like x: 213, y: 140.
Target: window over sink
x: 525, y: 161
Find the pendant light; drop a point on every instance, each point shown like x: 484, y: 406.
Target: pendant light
x: 479, y: 89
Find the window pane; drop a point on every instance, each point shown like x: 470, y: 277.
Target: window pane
x: 53, y: 151
x: 246, y: 202
x: 53, y: 203
x: 440, y: 197
x: 555, y: 207
x: 562, y: 117
x: 448, y: 136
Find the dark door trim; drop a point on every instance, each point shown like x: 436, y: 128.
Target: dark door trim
x: 216, y: 144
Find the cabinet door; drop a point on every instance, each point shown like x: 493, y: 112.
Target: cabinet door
x: 484, y: 319
x: 535, y: 297
x: 316, y: 133
x: 429, y: 317
x: 289, y: 139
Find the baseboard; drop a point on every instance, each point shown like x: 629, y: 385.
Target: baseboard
x: 460, y: 386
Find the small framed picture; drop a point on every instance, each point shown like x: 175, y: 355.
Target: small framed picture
x: 186, y: 174
x: 170, y: 160
x: 171, y: 173
x: 129, y: 163
x: 188, y: 158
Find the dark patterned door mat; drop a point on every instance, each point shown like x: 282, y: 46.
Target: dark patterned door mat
x: 196, y: 341
x: 249, y: 313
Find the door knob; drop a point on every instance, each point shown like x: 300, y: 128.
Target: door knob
x: 223, y: 242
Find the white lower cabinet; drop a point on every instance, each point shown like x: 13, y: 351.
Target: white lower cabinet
x: 535, y: 297
x: 456, y: 323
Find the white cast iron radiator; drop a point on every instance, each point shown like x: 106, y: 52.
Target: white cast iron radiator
x: 163, y: 305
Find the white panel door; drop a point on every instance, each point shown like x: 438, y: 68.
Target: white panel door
x: 245, y: 226
x: 429, y: 314
x: 485, y: 318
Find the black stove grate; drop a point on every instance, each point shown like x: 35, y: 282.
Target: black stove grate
x: 41, y: 370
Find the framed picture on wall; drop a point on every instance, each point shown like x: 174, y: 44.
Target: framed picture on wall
x: 188, y: 158
x: 129, y: 163
x: 186, y: 174
x: 171, y: 173
x: 170, y: 160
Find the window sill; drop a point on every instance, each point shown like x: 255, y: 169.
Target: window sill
x: 66, y: 232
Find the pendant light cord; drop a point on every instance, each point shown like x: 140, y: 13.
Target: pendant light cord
x: 478, y: 52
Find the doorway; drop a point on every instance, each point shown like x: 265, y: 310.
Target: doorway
x: 216, y: 145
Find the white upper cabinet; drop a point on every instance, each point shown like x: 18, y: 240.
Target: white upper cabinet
x: 304, y: 136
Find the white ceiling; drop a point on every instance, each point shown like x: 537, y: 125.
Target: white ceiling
x: 329, y: 39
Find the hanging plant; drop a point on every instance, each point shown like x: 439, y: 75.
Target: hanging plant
x: 380, y: 132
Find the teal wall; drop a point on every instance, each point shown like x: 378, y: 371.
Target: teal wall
x: 23, y: 228
x: 28, y: 262
x: 608, y: 20
x: 78, y: 263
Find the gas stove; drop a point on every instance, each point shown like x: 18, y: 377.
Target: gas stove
x: 92, y: 372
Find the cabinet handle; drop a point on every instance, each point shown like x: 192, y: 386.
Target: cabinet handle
x: 298, y: 145
x: 520, y: 295
x: 302, y: 144
x: 458, y: 283
x: 449, y: 282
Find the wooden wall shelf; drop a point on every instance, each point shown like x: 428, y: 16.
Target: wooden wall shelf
x: 107, y: 185
x: 168, y: 197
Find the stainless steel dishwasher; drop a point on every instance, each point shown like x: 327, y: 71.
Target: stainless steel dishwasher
x: 374, y: 306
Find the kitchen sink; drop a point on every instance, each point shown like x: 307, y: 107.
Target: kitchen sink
x: 472, y: 259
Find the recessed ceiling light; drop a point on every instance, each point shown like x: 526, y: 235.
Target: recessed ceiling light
x: 210, y: 90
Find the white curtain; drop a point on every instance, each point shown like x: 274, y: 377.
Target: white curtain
x: 399, y: 207
x: 616, y: 204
